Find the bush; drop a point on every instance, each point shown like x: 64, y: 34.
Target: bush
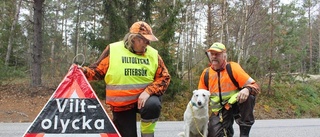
x: 9, y: 73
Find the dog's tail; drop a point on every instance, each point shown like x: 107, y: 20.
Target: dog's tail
x: 181, y: 134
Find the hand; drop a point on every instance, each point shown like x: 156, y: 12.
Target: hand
x: 142, y: 99
x: 83, y: 69
x: 243, y: 95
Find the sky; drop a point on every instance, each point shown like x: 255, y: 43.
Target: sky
x: 285, y: 1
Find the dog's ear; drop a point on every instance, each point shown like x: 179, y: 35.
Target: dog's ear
x: 194, y: 91
x: 208, y: 93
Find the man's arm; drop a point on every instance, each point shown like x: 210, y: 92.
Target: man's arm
x: 253, y: 88
x: 98, y: 70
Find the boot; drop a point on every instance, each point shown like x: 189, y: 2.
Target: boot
x: 244, y: 131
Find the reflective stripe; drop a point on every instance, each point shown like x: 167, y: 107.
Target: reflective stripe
x: 123, y: 89
x: 233, y: 98
x: 225, y: 93
x: 147, y: 135
x: 147, y: 128
x: 121, y: 98
x: 126, y: 87
x: 150, y: 120
x: 215, y: 100
x: 215, y: 106
x: 216, y: 109
x: 225, y: 96
x: 248, y: 82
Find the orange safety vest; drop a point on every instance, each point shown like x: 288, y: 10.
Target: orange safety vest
x: 228, y: 88
x: 128, y: 74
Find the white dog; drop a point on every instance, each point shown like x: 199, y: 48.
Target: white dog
x: 196, y: 115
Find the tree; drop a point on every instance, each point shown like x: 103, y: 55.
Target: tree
x: 280, y: 41
x: 16, y: 17
x: 165, y: 28
x: 115, y: 18
x: 271, y: 46
x: 36, y: 53
x: 310, y: 4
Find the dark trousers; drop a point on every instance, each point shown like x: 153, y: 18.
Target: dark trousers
x: 241, y: 113
x: 125, y: 121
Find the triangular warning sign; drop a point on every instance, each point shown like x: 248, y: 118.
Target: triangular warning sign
x: 73, y: 110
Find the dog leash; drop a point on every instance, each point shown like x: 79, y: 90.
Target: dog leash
x: 221, y: 120
x: 195, y: 120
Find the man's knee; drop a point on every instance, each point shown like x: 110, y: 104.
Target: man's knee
x: 249, y: 103
x: 152, y: 108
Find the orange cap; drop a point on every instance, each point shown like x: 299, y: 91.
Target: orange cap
x: 143, y: 29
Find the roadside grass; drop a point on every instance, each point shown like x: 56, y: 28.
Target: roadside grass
x: 299, y: 100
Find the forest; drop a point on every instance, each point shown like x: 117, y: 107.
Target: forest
x: 275, y: 42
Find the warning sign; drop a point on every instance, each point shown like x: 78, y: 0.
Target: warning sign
x: 73, y: 110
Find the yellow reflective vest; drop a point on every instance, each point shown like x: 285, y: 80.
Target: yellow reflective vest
x: 128, y: 74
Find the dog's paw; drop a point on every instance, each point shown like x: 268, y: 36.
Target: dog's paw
x: 181, y: 134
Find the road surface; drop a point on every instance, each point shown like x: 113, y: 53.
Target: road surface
x: 262, y: 128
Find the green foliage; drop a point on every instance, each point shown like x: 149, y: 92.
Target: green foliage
x: 250, y: 69
x: 297, y: 100
x: 9, y: 73
x: 291, y: 25
x: 165, y: 32
x: 176, y: 87
x: 99, y: 87
x: 96, y: 43
x: 116, y: 20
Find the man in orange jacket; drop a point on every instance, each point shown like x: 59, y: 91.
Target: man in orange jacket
x: 230, y: 99
x: 135, y: 77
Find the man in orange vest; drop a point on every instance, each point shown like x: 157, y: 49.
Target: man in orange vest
x: 135, y: 77
x: 232, y: 97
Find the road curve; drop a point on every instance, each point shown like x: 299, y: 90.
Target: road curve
x: 262, y: 128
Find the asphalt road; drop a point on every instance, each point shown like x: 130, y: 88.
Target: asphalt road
x: 262, y: 128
